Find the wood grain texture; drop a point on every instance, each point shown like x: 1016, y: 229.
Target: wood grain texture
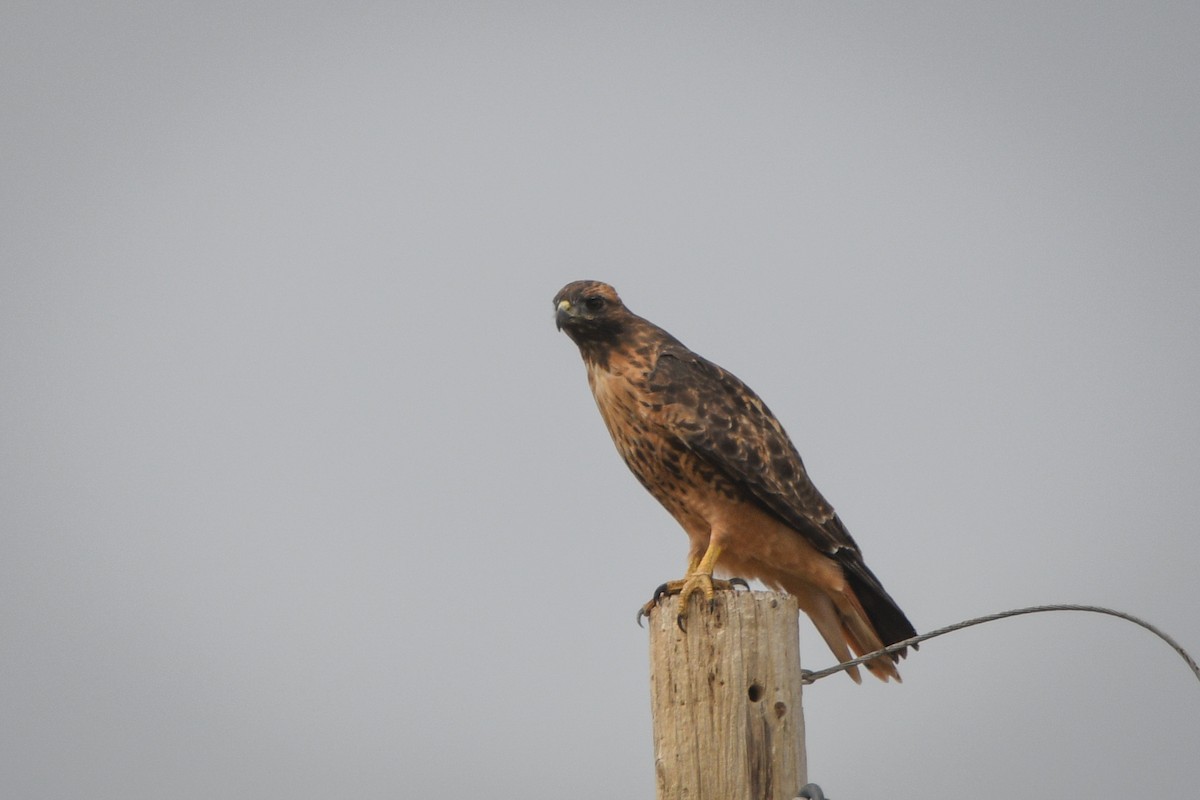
x: 726, y: 699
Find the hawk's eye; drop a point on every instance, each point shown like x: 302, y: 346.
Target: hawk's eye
x: 593, y: 303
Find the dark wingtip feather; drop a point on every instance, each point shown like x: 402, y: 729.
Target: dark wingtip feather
x: 884, y: 614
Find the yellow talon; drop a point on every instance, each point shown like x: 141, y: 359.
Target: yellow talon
x: 696, y: 582
x: 680, y: 586
x: 699, y: 579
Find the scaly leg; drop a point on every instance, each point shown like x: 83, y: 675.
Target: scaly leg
x: 699, y: 579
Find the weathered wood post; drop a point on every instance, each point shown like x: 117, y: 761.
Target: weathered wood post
x: 728, y: 722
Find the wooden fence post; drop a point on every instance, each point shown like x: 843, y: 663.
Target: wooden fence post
x: 728, y: 721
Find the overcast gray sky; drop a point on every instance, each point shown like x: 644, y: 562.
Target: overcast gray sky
x: 304, y: 496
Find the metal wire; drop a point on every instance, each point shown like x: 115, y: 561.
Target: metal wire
x: 808, y: 677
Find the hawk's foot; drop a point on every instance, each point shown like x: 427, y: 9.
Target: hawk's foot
x: 701, y: 582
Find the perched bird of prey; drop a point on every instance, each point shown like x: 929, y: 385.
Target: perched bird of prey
x: 714, y: 455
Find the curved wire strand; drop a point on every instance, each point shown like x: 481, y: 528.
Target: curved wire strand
x: 811, y: 677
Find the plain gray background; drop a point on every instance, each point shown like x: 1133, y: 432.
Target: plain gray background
x: 304, y: 497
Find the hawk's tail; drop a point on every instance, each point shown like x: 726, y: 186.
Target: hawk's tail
x: 858, y: 617
x: 887, y: 622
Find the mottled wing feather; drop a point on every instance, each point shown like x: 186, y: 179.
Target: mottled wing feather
x: 721, y: 420
x: 724, y: 422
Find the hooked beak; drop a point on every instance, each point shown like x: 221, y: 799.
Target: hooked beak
x: 563, y: 314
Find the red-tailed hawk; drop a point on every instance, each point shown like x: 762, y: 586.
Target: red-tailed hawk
x: 714, y: 455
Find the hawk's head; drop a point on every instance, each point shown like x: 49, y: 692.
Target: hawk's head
x: 590, y: 312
